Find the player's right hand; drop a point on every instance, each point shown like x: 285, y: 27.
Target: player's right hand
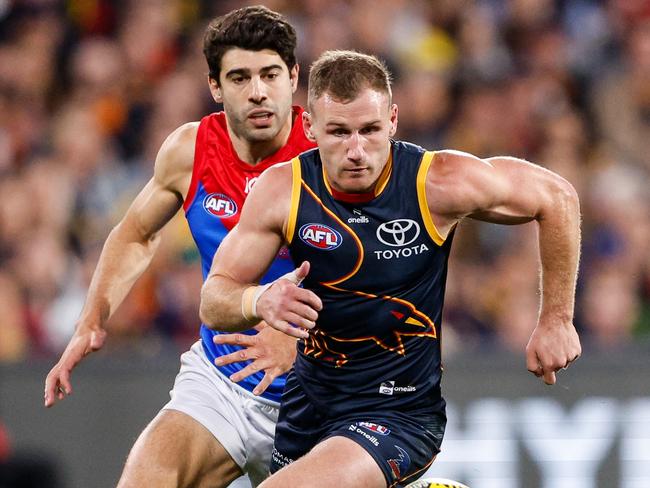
x: 83, y: 342
x: 287, y: 307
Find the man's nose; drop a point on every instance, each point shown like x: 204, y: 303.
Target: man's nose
x: 355, y: 147
x: 257, y: 90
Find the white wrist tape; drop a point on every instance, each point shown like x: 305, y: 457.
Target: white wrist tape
x: 291, y: 277
x: 253, y: 293
x: 258, y: 292
x: 247, y: 302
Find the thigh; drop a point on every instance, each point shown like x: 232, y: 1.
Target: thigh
x: 262, y: 418
x: 176, y: 451
x: 403, y: 444
x: 209, y: 398
x: 337, y: 461
x: 300, y: 426
x: 400, y: 448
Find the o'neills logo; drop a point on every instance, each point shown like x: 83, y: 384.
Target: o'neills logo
x: 388, y: 388
x: 320, y: 236
x: 220, y: 205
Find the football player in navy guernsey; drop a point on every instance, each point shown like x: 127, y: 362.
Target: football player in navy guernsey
x: 369, y: 223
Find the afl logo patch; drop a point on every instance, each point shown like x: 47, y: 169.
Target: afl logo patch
x: 398, y: 233
x: 320, y: 236
x: 379, y: 429
x: 220, y: 205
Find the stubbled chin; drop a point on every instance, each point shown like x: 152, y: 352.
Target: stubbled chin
x: 356, y: 185
x: 261, y: 134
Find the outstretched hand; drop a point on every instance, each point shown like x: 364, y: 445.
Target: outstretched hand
x: 82, y: 343
x: 287, y: 307
x: 552, y: 347
x: 269, y: 350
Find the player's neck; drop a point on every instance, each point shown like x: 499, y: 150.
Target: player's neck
x: 255, y: 152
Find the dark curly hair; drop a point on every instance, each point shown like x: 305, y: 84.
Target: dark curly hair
x: 251, y: 28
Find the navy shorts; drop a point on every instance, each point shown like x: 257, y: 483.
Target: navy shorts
x: 403, y: 443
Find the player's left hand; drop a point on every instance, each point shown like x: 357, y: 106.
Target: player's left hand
x: 269, y: 350
x: 552, y: 346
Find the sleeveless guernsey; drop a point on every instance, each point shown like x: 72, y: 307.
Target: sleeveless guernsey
x: 380, y: 268
x: 220, y: 184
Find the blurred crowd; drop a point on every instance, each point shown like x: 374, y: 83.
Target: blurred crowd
x: 89, y: 89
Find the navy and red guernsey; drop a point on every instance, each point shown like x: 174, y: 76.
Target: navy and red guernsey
x: 379, y: 265
x: 220, y: 183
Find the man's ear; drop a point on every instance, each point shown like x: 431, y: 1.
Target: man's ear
x: 393, y: 120
x: 215, y: 90
x: 307, y: 126
x: 293, y: 76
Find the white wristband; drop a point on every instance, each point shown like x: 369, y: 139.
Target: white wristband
x: 253, y: 293
x: 256, y: 297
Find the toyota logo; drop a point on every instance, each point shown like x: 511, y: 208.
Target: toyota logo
x: 400, y: 232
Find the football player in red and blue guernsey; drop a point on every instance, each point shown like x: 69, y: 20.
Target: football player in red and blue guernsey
x: 369, y: 223
x: 213, y: 429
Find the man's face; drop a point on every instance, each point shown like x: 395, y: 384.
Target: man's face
x: 353, y: 138
x: 256, y: 89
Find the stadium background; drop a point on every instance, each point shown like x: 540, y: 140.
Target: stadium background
x: 90, y: 88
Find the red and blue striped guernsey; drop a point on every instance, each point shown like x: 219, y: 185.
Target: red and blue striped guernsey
x: 220, y: 183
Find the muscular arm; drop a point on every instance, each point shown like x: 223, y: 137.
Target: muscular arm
x: 127, y: 252
x: 133, y: 242
x: 511, y: 191
x: 244, y: 256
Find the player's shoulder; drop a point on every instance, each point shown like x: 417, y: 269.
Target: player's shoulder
x: 453, y: 157
x: 454, y: 163
x: 176, y: 155
x: 278, y: 175
x: 274, y: 184
x: 182, y: 140
x: 270, y: 198
x: 453, y: 177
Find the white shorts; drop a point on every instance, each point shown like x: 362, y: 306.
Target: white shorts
x: 243, y: 423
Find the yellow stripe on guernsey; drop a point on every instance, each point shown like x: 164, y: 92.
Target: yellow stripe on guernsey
x: 382, y: 181
x: 295, y: 198
x: 422, y: 198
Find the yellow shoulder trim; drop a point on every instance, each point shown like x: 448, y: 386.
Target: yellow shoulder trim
x: 422, y: 198
x: 295, y: 198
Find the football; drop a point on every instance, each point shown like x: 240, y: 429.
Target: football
x: 436, y: 483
